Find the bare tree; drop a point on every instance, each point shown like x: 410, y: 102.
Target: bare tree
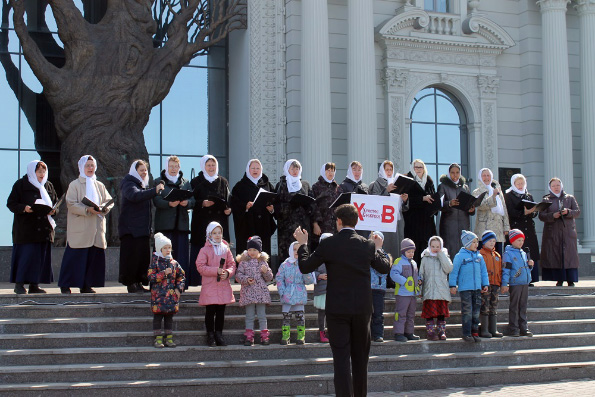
x: 117, y: 70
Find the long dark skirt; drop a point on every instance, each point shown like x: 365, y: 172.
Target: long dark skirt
x: 193, y: 277
x: 559, y: 274
x: 31, y: 263
x: 135, y: 258
x: 82, y: 267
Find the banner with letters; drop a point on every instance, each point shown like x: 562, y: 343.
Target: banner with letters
x: 379, y: 213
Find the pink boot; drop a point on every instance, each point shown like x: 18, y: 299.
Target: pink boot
x: 323, y: 337
x: 264, y: 337
x: 249, y: 334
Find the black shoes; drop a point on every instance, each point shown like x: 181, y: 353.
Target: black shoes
x: 19, y: 289
x: 87, y: 290
x: 140, y: 288
x: 34, y: 289
x: 211, y: 339
x: 219, y: 340
x: 65, y: 290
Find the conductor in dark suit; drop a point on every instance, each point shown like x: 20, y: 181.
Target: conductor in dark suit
x: 348, y: 257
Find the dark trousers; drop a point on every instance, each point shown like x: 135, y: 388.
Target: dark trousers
x: 378, y: 313
x: 349, y: 336
x: 135, y: 257
x: 168, y: 323
x: 517, y: 311
x: 489, y: 301
x: 214, y: 317
x: 470, y: 305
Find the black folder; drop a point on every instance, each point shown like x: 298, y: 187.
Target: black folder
x: 97, y: 208
x: 436, y: 205
x: 344, y: 198
x: 178, y: 195
x: 219, y: 202
x: 466, y: 201
x: 403, y: 184
x: 264, y: 198
x: 528, y: 204
x: 302, y: 200
x: 46, y: 209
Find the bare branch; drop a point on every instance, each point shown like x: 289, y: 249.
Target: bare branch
x: 71, y: 23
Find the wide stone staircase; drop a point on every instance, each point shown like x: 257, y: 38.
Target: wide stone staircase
x: 101, y: 344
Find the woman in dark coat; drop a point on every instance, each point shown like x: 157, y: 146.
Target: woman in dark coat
x: 559, y: 251
x: 248, y: 220
x: 32, y: 231
x: 521, y: 218
x: 134, y: 226
x: 419, y: 219
x: 172, y: 219
x: 289, y: 216
x: 353, y: 182
x: 207, y: 184
x: 325, y: 192
x: 452, y: 220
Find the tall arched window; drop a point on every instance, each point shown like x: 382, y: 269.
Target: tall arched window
x: 438, y: 131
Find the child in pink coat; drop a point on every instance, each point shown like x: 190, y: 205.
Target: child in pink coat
x: 216, y: 265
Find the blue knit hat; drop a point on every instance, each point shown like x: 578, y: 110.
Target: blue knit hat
x: 379, y: 234
x: 467, y: 238
x: 487, y: 236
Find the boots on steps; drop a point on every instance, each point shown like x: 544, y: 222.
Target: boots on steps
x: 19, y: 289
x: 323, y: 337
x: 431, y: 330
x: 285, y: 332
x: 219, y: 340
x: 493, y: 326
x: 211, y: 339
x: 264, y: 337
x: 249, y: 334
x: 159, y: 342
x: 484, y: 333
x: 169, y: 341
x: 34, y: 289
x: 442, y: 330
x: 301, y: 335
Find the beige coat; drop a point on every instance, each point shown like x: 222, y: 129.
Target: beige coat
x: 85, y: 229
x: 485, y: 219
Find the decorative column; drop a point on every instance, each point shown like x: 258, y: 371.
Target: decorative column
x: 316, y: 138
x: 557, y: 132
x: 361, y: 90
x: 586, y: 12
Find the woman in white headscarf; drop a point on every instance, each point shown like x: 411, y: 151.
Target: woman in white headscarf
x: 353, y: 182
x: 134, y: 226
x: 83, y: 264
x: 250, y: 220
x: 521, y: 218
x: 491, y: 213
x: 32, y: 229
x: 211, y: 192
x: 325, y: 192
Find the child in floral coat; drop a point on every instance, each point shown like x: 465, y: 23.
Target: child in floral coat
x: 254, y: 274
x: 167, y: 281
x: 291, y: 284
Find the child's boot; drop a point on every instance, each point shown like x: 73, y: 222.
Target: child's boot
x: 323, y: 337
x: 285, y: 332
x: 211, y: 339
x: 442, y: 330
x: 169, y: 341
x: 484, y: 333
x: 264, y: 337
x: 475, y: 335
x: 431, y: 330
x: 249, y: 334
x: 219, y: 340
x: 400, y: 338
x: 158, y: 342
x: 493, y: 326
x: 411, y: 336
x: 301, y: 335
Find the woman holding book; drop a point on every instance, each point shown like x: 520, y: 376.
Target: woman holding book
x: 171, y: 215
x: 250, y: 219
x: 32, y: 229
x: 522, y: 218
x: 211, y: 192
x: 83, y: 264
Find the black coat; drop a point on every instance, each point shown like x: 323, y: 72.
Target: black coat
x: 135, y: 208
x: 419, y: 221
x: 202, y: 216
x: 348, y: 257
x: 29, y: 227
x: 525, y: 223
x: 348, y: 186
x: 172, y: 218
x: 256, y: 221
x: 325, y: 193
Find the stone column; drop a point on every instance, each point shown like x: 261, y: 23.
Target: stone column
x: 361, y: 90
x: 557, y: 132
x: 586, y: 12
x: 316, y: 137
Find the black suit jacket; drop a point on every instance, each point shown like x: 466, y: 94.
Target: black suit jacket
x: 348, y: 257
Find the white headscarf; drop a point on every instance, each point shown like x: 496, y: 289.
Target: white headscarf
x: 32, y: 177
x: 514, y: 188
x: 421, y: 181
x: 350, y: 175
x: 219, y: 247
x: 254, y: 180
x: 91, y: 189
x: 291, y: 258
x: 441, y: 245
x: 499, y: 208
x: 294, y: 183
x: 382, y: 173
x: 203, y: 162
x: 134, y: 173
x: 172, y: 179
x: 323, y: 173
x: 561, y: 189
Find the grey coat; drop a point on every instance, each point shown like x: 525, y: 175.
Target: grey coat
x: 172, y: 218
x: 434, y: 271
x: 320, y: 286
x: 452, y: 221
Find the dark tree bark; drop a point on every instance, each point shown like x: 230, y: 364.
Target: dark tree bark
x: 116, y: 71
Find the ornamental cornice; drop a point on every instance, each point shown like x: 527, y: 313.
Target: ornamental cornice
x: 585, y: 6
x: 488, y: 29
x: 553, y: 5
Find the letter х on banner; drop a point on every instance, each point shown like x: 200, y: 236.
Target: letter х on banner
x: 359, y: 210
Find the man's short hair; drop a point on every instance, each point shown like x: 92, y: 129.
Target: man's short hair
x: 348, y: 215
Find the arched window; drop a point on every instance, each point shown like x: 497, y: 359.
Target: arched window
x: 438, y: 131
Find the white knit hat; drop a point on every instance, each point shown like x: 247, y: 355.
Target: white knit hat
x: 161, y: 241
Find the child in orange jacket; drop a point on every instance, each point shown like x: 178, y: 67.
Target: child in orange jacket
x: 489, y: 300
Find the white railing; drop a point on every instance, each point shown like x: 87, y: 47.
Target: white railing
x: 446, y: 24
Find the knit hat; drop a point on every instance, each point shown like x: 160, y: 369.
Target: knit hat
x: 487, y: 236
x: 515, y: 234
x: 254, y: 242
x: 379, y: 234
x: 467, y: 238
x: 406, y: 245
x: 161, y: 241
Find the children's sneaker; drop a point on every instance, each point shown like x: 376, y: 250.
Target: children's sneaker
x: 323, y: 337
x: 400, y: 338
x: 169, y: 341
x: 264, y: 337
x: 285, y: 332
x: 301, y: 335
x: 249, y: 334
x: 159, y: 342
x: 411, y: 337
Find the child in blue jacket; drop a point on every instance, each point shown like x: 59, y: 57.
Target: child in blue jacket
x: 516, y: 277
x: 405, y: 275
x: 470, y: 274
